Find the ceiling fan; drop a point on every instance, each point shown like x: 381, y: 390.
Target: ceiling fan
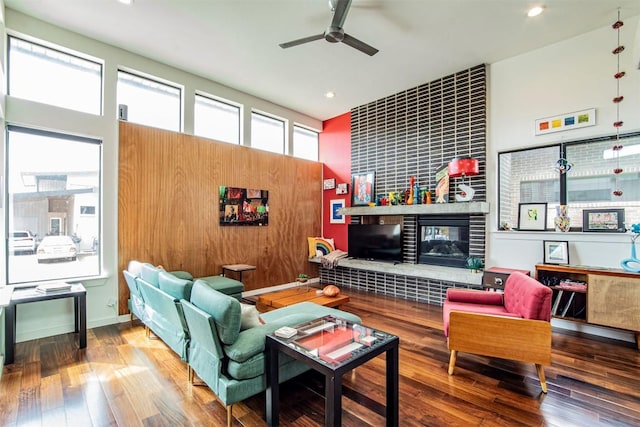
x: 335, y: 33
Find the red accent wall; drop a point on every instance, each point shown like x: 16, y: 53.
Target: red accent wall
x: 335, y: 153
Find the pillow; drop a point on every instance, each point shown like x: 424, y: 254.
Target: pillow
x: 311, y: 241
x: 324, y: 246
x: 250, y: 316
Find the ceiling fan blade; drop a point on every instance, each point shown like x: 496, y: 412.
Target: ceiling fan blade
x: 301, y: 41
x: 340, y: 14
x: 360, y: 45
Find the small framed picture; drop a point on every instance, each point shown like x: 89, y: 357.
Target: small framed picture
x: 336, y: 217
x: 342, y: 188
x: 329, y: 184
x: 556, y: 252
x: 603, y: 220
x: 532, y: 216
x: 362, y: 188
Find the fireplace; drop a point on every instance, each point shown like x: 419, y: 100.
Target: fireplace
x: 443, y: 240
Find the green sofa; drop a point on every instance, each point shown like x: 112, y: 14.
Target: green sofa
x: 155, y: 296
x: 230, y: 361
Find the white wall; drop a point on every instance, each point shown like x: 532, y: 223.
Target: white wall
x: 51, y: 318
x: 573, y: 75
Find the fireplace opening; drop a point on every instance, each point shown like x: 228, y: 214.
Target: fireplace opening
x: 443, y: 240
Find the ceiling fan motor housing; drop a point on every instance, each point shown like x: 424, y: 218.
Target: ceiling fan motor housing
x: 334, y: 35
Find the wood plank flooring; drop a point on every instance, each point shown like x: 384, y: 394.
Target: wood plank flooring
x: 125, y: 379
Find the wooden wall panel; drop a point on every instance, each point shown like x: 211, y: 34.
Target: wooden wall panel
x: 168, y: 207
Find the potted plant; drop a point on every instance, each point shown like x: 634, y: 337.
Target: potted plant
x: 474, y: 264
x: 302, y: 278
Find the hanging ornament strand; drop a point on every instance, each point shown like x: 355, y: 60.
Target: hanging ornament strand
x: 617, y: 100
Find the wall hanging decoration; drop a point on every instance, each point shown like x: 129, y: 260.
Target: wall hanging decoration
x: 563, y: 165
x: 329, y: 184
x: 243, y: 206
x: 567, y: 121
x: 632, y: 264
x: 336, y: 216
x: 562, y: 221
x: 532, y: 217
x: 617, y: 170
x: 342, y: 188
x: 363, y: 185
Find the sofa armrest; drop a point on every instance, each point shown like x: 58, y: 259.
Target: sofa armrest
x: 252, y: 341
x: 474, y: 296
x: 499, y: 336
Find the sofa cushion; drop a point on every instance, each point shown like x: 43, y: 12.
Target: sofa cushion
x: 224, y: 310
x: 474, y: 296
x: 135, y: 268
x: 450, y: 306
x: 527, y: 297
x: 149, y: 273
x: 174, y: 286
x: 250, y: 316
x: 223, y: 284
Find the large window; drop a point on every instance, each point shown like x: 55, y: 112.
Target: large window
x: 49, y: 76
x: 216, y: 120
x: 53, y: 215
x: 305, y: 143
x: 534, y: 176
x: 150, y: 102
x: 267, y: 133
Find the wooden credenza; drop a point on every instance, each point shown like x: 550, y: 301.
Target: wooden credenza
x: 610, y: 298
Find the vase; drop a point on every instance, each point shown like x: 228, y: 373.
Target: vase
x: 631, y: 264
x: 562, y: 221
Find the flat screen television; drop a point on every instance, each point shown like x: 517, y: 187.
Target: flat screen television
x: 380, y: 242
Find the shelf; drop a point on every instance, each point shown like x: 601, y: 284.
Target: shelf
x: 432, y: 209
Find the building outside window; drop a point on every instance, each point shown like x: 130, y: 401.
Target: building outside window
x: 533, y: 176
x: 53, y: 213
x: 150, y: 102
x: 49, y: 76
x: 305, y: 143
x: 216, y: 119
x: 267, y: 133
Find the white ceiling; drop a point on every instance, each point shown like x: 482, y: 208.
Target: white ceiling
x: 235, y: 42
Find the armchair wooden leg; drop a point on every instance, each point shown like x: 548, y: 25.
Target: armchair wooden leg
x: 229, y: 415
x: 189, y: 374
x: 543, y: 381
x: 452, y: 361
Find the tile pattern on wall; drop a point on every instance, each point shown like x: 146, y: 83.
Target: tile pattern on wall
x: 424, y: 290
x: 414, y: 133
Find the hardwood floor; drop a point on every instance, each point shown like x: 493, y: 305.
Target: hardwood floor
x: 125, y: 379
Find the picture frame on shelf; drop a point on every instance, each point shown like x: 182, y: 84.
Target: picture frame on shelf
x: 603, y: 220
x: 532, y: 216
x: 555, y: 252
x: 329, y: 184
x: 336, y: 217
x: 342, y: 188
x: 363, y: 186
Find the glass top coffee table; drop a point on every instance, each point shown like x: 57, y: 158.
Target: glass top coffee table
x: 332, y: 346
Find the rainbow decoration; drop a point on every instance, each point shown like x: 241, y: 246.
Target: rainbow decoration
x: 323, y: 247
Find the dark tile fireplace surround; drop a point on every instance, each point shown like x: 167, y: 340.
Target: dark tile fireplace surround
x: 412, y: 133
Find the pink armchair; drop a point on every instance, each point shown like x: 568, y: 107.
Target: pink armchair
x: 514, y: 325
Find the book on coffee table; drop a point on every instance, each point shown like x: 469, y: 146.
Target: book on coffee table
x: 47, y: 288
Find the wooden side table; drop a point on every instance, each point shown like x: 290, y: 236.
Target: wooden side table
x: 237, y: 268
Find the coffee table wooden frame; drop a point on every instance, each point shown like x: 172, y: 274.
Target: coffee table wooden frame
x: 273, y: 300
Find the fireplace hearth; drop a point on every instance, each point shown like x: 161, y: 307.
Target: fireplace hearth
x: 443, y: 240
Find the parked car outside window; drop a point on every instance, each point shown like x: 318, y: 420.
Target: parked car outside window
x: 60, y: 248
x: 22, y: 242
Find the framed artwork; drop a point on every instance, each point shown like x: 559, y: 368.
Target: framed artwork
x: 555, y: 252
x: 342, y: 188
x: 336, y: 217
x: 363, y: 189
x: 603, y: 220
x: 329, y: 184
x: 243, y: 206
x: 532, y: 216
x: 567, y: 121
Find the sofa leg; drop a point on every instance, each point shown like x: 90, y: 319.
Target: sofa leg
x: 229, y: 415
x: 543, y: 381
x: 147, y: 332
x: 452, y: 361
x: 189, y: 374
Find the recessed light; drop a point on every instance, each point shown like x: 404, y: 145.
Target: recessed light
x: 535, y: 11
x: 126, y: 1
x: 330, y: 94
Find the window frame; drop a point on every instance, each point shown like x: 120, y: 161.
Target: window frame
x: 305, y: 129
x: 274, y: 118
x: 59, y: 49
x: 562, y: 177
x: 226, y: 102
